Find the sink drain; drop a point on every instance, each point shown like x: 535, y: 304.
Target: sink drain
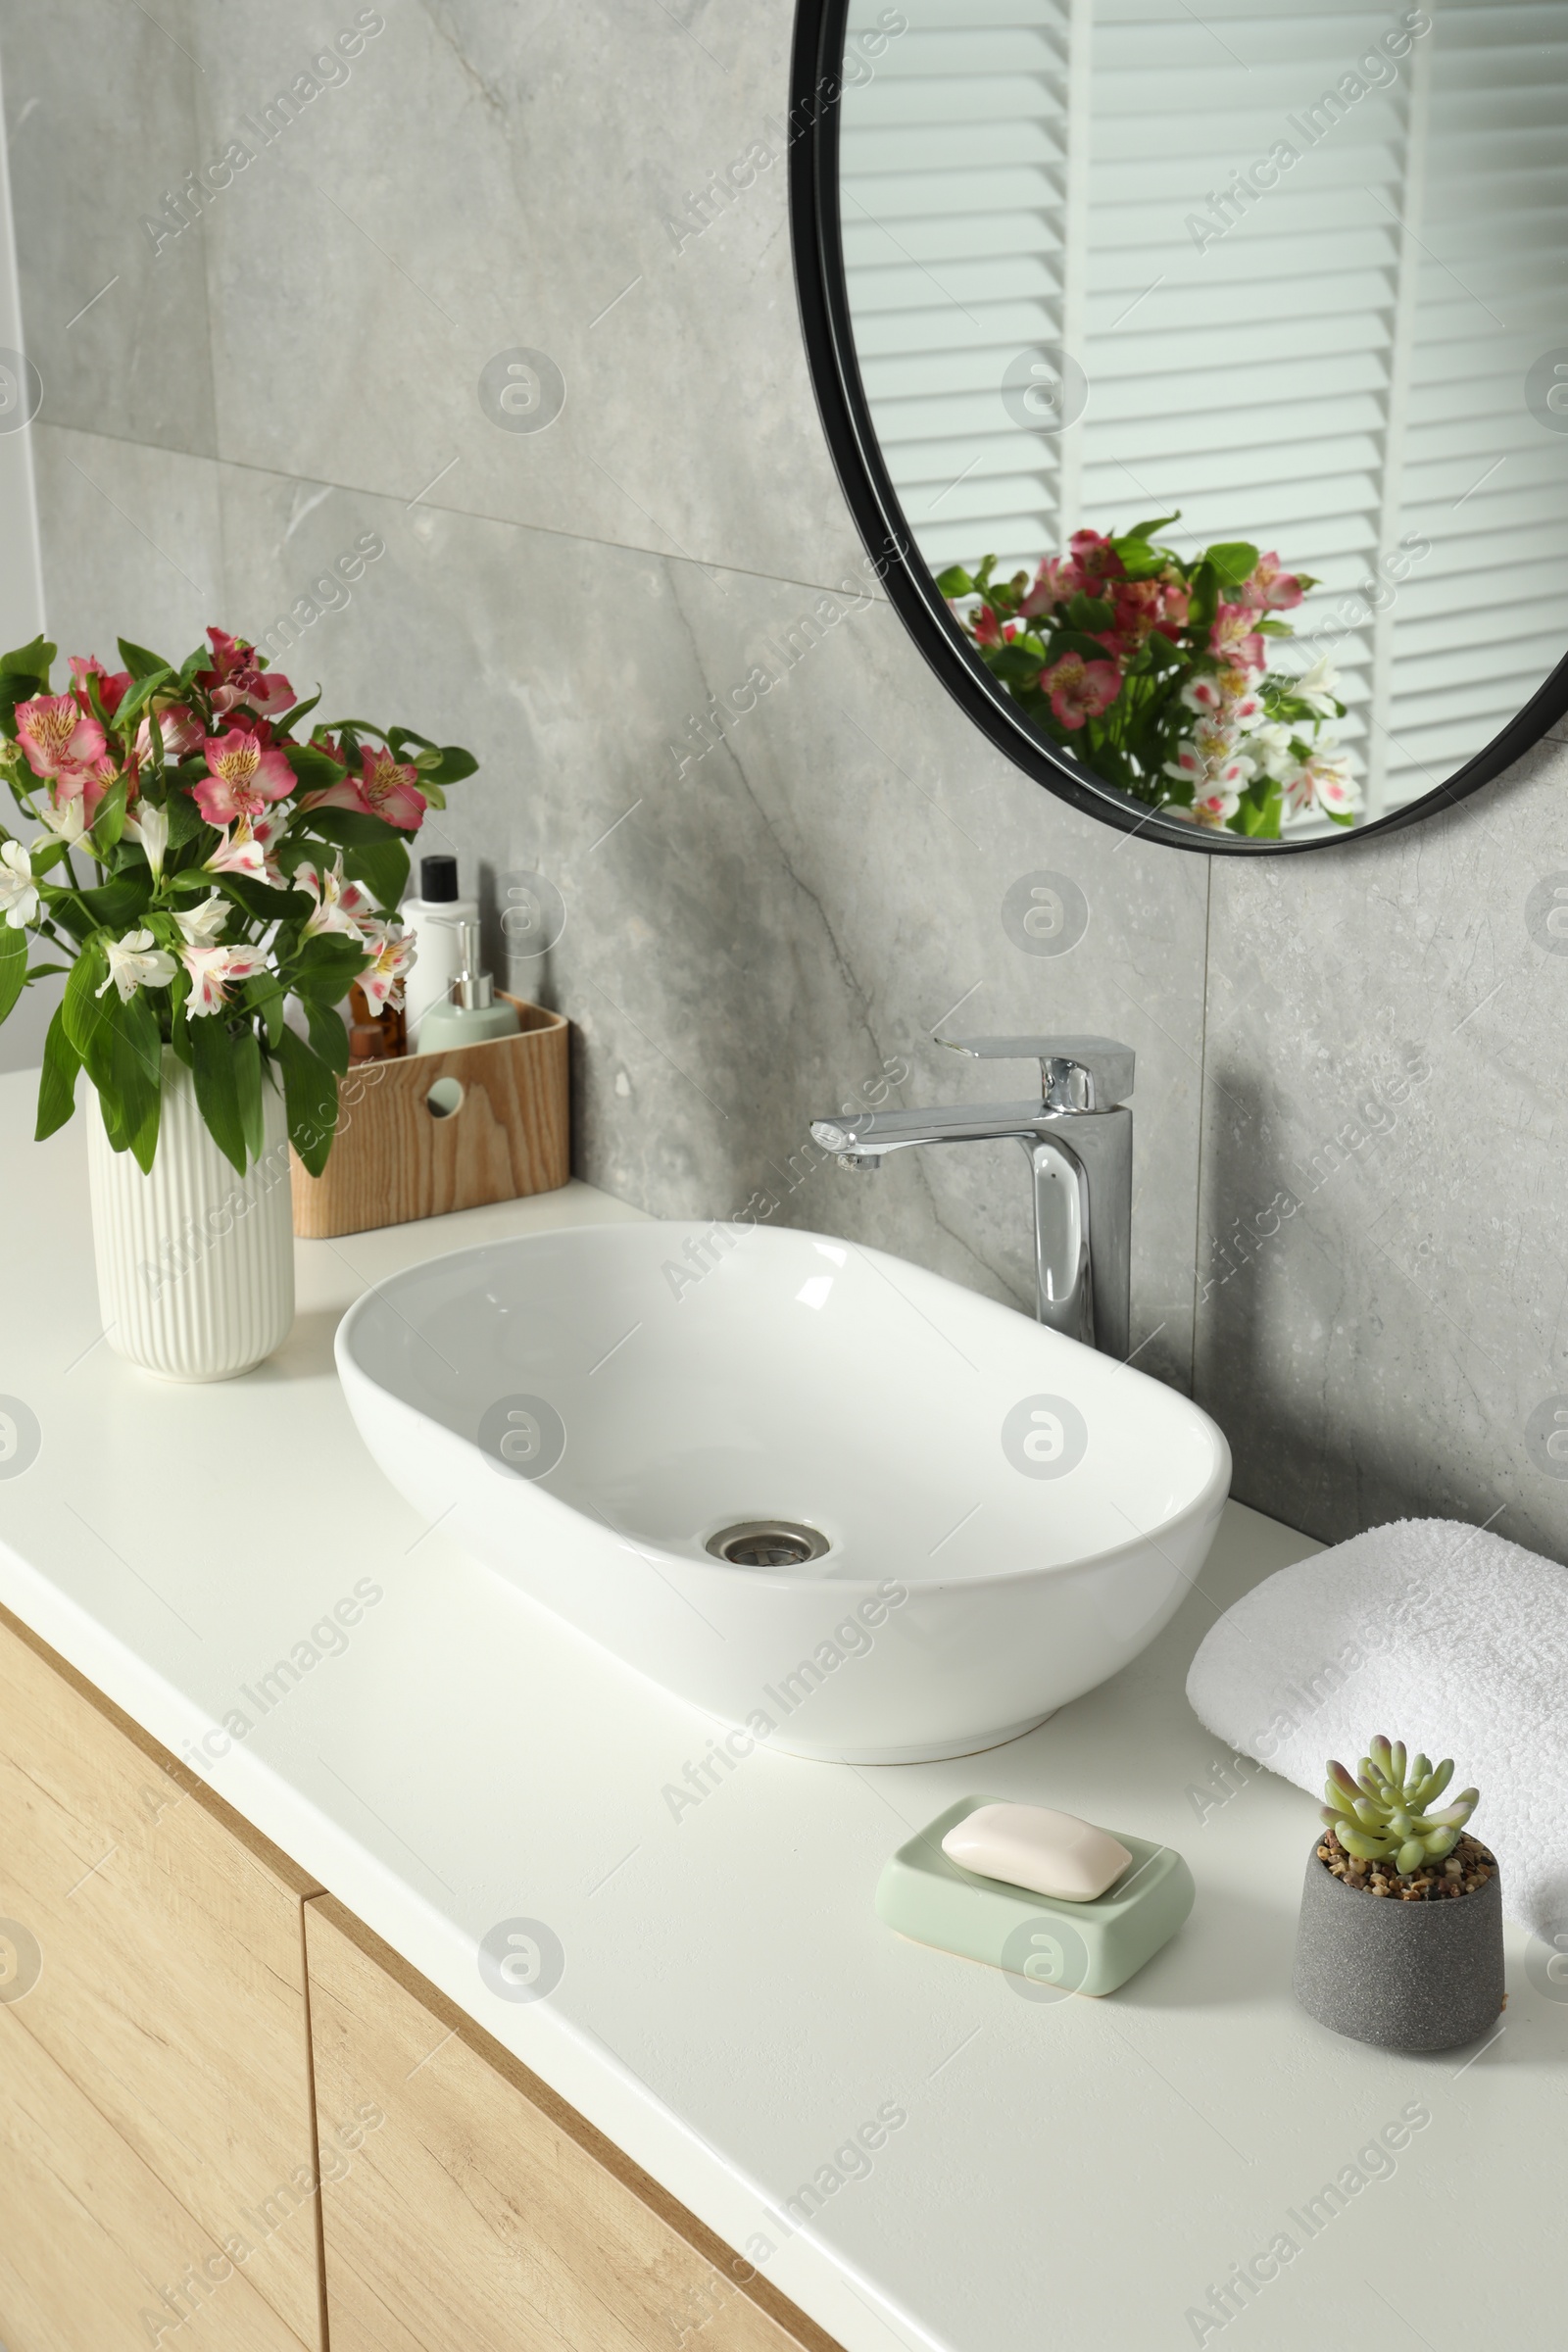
x: 768, y: 1543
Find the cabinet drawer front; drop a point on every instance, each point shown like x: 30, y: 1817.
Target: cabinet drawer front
x: 171, y: 1989
x: 96, y: 2255
x: 472, y: 2206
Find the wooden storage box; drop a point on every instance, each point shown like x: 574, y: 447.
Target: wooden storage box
x: 435, y: 1132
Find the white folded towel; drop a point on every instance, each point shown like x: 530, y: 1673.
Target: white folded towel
x: 1433, y: 1633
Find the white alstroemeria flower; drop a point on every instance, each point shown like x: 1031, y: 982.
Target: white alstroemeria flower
x: 19, y: 893
x: 201, y: 925
x: 150, y: 827
x: 68, y: 819
x: 1215, y: 808
x: 212, y: 973
x: 1270, y: 746
x: 1326, y: 781
x: 246, y: 847
x: 136, y: 961
x: 1319, y: 687
x: 394, y: 952
x: 340, y: 905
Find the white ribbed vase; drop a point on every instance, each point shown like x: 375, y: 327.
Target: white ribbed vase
x: 195, y: 1262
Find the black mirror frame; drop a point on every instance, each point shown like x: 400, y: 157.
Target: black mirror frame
x: 815, y: 88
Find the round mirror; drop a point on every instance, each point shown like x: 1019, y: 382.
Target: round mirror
x: 1198, y: 379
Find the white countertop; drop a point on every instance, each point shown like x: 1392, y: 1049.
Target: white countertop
x: 1075, y: 2174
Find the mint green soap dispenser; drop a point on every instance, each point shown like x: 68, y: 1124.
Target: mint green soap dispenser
x: 472, y: 1013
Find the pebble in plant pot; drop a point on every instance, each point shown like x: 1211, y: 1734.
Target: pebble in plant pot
x: 1400, y: 1939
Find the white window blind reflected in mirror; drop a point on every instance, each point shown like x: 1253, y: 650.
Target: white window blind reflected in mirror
x: 1306, y: 257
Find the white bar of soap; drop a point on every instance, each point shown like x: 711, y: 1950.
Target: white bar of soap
x: 1029, y: 1845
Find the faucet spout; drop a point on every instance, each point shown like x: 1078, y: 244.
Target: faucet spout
x: 1080, y: 1150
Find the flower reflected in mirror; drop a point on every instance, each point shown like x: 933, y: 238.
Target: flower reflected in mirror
x: 1163, y: 673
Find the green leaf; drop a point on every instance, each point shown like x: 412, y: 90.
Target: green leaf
x: 456, y: 763
x: 325, y: 969
x: 310, y: 1094
x: 954, y: 581
x: 1073, y: 641
x: 265, y: 996
x: 328, y: 1037
x: 186, y: 820
x: 315, y: 770
x: 1234, y: 561
x: 1018, y: 665
x: 115, y: 906
x: 1090, y: 612
x: 109, y: 822
x: 137, y: 697
x: 122, y: 1055
x: 348, y: 828
x: 33, y: 660
x: 12, y: 966
x: 57, y: 1084
x: 140, y: 663
x: 139, y: 1077
x: 384, y: 870
x: 1152, y: 524
x: 1204, y: 600
x: 292, y: 718
x: 215, y: 1068
x: 247, y: 1055
x: 258, y: 900
x: 80, y: 1006
x: 1139, y: 559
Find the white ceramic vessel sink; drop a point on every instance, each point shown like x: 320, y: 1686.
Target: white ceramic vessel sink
x: 1001, y: 1517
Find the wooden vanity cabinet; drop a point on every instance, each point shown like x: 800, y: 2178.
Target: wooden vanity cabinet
x: 210, y: 2070
x: 157, y: 2128
x: 469, y: 2205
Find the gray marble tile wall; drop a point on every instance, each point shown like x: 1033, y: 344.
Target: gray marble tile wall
x: 1350, y: 1067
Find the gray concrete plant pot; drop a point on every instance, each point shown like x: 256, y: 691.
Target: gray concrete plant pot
x: 1402, y: 1975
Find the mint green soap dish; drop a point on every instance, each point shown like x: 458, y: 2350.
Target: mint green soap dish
x: 1067, y: 1947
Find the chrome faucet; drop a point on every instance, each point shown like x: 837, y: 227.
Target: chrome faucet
x: 1079, y: 1142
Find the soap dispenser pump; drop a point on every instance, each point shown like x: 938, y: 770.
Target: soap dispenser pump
x: 474, y: 1014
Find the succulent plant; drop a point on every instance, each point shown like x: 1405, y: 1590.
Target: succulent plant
x: 1381, y: 1813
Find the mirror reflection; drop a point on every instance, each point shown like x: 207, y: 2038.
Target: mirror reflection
x: 1219, y: 360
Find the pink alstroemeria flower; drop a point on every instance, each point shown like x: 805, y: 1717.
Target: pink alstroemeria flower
x: 179, y: 731
x: 1097, y: 559
x: 987, y: 627
x: 1057, y: 579
x: 384, y: 787
x: 247, y: 848
x: 1080, y: 689
x: 1234, y: 637
x: 392, y: 953
x: 112, y: 684
x: 245, y: 773
x: 61, y: 742
x: 238, y: 681
x: 213, y: 971
x: 1270, y: 590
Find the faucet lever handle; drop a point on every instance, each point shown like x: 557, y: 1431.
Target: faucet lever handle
x: 1076, y: 1073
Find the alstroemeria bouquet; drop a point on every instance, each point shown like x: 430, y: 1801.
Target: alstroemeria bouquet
x: 1155, y: 669
x: 192, y: 862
